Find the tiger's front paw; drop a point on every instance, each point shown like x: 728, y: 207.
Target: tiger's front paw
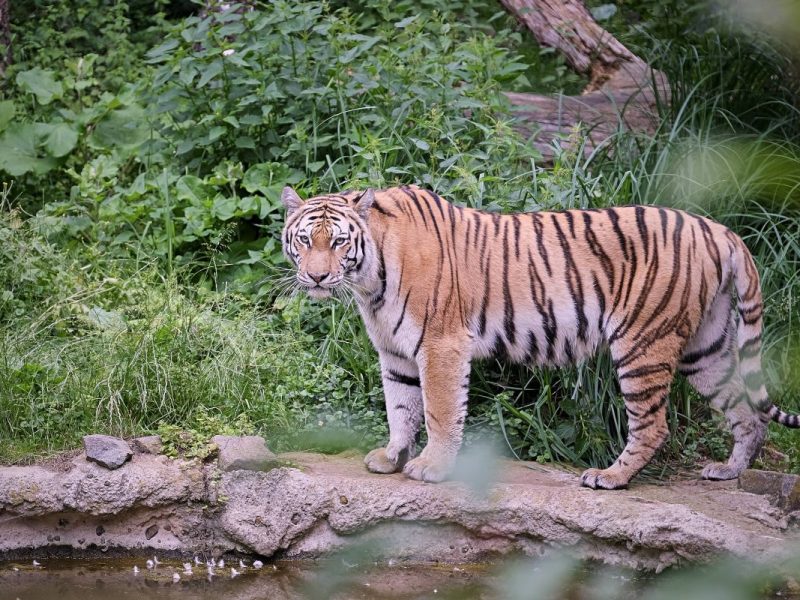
x: 605, y: 479
x: 719, y: 471
x: 386, y: 460
x: 432, y: 470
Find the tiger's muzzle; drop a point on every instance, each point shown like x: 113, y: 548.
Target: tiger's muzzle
x: 319, y: 285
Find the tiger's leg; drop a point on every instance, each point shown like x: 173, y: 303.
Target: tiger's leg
x: 401, y: 389
x: 444, y: 371
x: 711, y: 365
x: 645, y: 380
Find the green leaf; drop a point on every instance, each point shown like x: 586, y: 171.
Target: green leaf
x: 61, y: 139
x: 18, y: 153
x: 160, y: 53
x: 267, y: 179
x: 124, y: 128
x: 212, y: 70
x: 604, y: 12
x: 191, y: 188
x: 421, y: 144
x: 40, y: 83
x: 406, y: 22
x: 224, y: 207
x: 232, y: 121
x: 216, y: 133
x: 245, y: 141
x: 7, y: 110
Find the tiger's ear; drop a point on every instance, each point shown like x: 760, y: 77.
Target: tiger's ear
x: 363, y: 203
x: 290, y: 200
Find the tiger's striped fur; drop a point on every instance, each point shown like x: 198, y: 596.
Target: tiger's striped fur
x: 439, y: 285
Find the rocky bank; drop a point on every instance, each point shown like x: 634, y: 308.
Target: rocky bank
x: 307, y: 505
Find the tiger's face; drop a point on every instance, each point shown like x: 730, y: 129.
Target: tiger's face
x: 327, y: 240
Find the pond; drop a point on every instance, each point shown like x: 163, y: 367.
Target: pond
x: 350, y: 575
x: 74, y: 579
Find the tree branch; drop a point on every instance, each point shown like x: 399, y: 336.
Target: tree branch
x: 623, y: 90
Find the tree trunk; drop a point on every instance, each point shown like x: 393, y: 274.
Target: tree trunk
x: 623, y: 90
x: 5, y: 36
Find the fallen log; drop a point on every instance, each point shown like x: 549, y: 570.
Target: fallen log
x: 624, y: 92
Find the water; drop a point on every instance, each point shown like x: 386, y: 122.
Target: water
x: 349, y: 576
x: 114, y: 579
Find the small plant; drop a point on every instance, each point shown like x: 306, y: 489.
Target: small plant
x: 195, y: 440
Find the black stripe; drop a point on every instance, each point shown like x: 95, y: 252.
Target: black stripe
x: 551, y: 330
x: 411, y: 194
x: 673, y: 280
x: 382, y: 210
x: 485, y: 303
x: 466, y: 241
x: 398, y: 377
x: 438, y: 201
x: 664, y: 220
x: 574, y: 282
x: 496, y: 221
x: 499, y: 349
x: 402, y: 314
x: 539, y: 232
x: 645, y: 393
x: 378, y: 299
x: 623, y: 242
x: 642, y: 227
x: 570, y: 223
x: 751, y: 347
x: 508, y: 304
x: 598, y: 250
x: 422, y: 335
x: 711, y: 245
x: 363, y: 249
x: 646, y: 370
x: 716, y: 346
x: 533, y: 348
x: 394, y: 353
x: 440, y: 264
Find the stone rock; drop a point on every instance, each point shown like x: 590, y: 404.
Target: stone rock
x: 306, y: 512
x: 148, y: 444
x: 245, y: 453
x: 782, y: 488
x: 106, y: 450
x: 90, y: 503
x: 321, y: 503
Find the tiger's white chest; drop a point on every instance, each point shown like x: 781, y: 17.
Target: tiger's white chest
x: 390, y: 326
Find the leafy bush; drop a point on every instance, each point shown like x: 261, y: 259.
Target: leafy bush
x: 155, y: 356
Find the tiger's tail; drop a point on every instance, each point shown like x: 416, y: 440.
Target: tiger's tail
x: 751, y: 308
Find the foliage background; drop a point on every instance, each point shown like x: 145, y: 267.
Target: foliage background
x: 143, y: 152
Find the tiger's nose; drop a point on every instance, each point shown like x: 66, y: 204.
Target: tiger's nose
x: 318, y: 277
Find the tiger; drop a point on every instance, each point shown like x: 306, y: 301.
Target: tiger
x: 439, y: 285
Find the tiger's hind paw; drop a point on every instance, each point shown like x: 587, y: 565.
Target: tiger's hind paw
x: 605, y: 479
x: 720, y: 472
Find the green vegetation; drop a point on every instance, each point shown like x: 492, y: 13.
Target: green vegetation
x: 144, y: 152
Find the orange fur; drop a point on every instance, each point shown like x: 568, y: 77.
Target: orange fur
x: 439, y: 285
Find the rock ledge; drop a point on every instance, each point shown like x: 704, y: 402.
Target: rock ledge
x: 319, y: 503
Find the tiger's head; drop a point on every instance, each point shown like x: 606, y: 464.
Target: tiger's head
x: 327, y: 239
